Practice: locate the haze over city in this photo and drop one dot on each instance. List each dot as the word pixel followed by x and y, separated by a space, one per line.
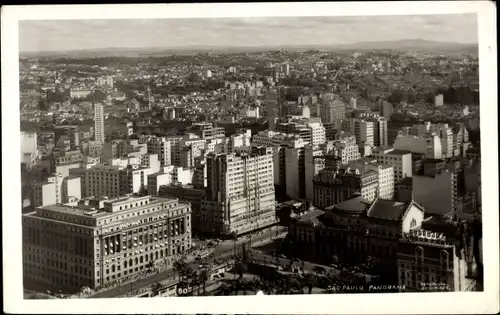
pixel 63 35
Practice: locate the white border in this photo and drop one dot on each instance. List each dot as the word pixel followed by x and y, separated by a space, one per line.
pixel 450 303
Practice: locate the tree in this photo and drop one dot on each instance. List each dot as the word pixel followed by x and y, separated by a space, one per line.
pixel 203 277
pixel 155 288
pixel 240 268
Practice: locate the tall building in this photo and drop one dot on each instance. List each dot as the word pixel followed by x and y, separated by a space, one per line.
pixel 295 172
pixel 400 160
pixel 332 111
pixel 99 123
pixel 436 188
pixel 98 242
pixel 386 110
pixel 29 147
pixel 240 192
pixel 364 132
pixel 438 100
pixel 317 133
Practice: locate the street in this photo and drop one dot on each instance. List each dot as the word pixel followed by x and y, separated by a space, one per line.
pixel 223 250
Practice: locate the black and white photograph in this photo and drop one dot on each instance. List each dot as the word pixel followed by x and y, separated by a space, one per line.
pixel 325 155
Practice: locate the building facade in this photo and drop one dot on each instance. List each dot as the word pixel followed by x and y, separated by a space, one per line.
pixel 98 242
pixel 240 192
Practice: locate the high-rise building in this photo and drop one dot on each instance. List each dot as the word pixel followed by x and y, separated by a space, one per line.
pixel 332 111
pixel 99 123
pixel 98 242
pixel 240 192
pixel 400 160
pixel 363 130
pixel 317 133
pixel 386 110
pixel 295 172
pixel 29 147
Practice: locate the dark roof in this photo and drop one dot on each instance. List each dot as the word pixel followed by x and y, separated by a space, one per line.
pixel 311 216
pixel 399 152
pixel 353 205
pixel 407 181
pixel 387 209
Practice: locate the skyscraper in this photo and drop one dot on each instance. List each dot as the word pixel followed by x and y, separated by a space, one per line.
pixel 240 192
pixel 99 122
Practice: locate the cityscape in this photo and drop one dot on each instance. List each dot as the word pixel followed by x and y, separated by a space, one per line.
pixel 216 164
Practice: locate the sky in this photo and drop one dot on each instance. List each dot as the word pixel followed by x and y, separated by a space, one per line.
pixel 59 35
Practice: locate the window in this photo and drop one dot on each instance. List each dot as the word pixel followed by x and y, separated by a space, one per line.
pixel 419 255
pixel 413 223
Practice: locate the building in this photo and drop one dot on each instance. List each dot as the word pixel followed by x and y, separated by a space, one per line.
pixel 56 189
pixel 400 160
pixel 386 110
pixel 170 175
pixel 240 192
pixel 428 146
pixel 363 130
pixel 438 100
pixel 111 180
pixel 332 111
pixel 98 242
pixel 428 261
pixel 295 173
pixel 99 123
pixel 403 190
pixel 436 188
pixel 207 131
pixel 385 175
pixel 318 135
pixel 29 147
pixel 80 93
pixel 354 230
pixel 332 186
pixel 161 147
pixel 105 82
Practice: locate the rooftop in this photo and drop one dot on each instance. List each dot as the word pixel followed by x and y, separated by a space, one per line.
pixel 399 152
pixel 354 205
pixel 387 209
pixel 407 181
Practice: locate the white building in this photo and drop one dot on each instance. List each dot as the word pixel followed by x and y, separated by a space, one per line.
pixel 438 100
pixel 57 189
pixel 99 123
pixel 318 135
pixel 240 192
pixel 159 146
pixel 385 175
pixel 400 160
pixel 105 81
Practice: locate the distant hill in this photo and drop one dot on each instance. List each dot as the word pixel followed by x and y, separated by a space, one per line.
pixel 412 45
pixel 409 45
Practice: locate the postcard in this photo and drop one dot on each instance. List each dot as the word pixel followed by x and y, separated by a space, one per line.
pixel 259 158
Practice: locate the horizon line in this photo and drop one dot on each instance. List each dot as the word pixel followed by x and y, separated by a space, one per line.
pixel 249 46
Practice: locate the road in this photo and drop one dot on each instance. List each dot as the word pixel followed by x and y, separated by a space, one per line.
pixel 223 250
